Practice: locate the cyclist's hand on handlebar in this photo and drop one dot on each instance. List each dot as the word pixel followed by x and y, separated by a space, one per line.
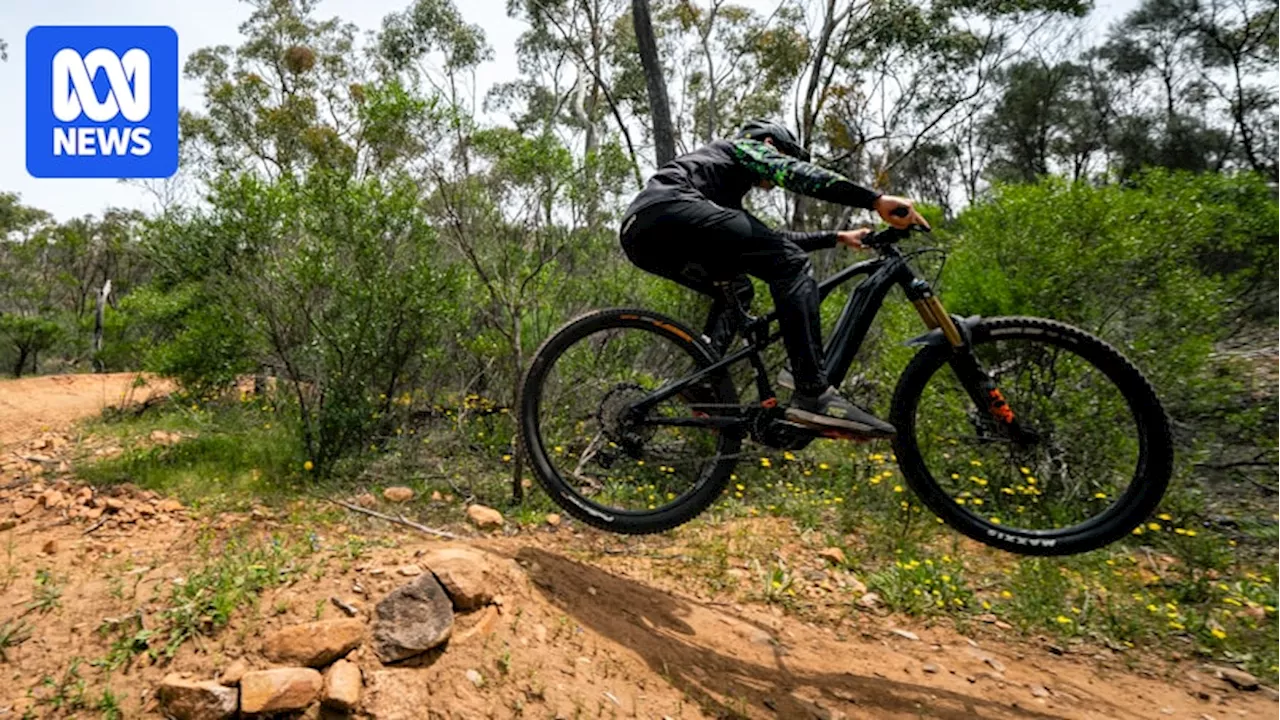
pixel 899 212
pixel 853 238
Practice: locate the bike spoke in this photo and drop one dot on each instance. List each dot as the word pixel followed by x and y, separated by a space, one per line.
pixel 1083 456
pixel 619 457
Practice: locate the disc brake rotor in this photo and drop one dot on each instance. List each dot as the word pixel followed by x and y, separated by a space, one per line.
pixel 616 418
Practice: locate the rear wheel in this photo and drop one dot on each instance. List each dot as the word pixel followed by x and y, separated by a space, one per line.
pixel 599 458
pixel 1082 460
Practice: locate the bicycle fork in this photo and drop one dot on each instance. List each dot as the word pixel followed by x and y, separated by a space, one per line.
pixel 984 392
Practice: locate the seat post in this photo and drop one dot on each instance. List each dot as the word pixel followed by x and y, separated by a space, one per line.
pixel 744 316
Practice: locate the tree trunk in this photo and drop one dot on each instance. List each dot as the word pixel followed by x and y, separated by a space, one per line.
pixel 809 112
pixel 712 114
pixel 22 361
pixel 591 111
pixel 664 134
pixel 97 326
pixel 517 456
pixel 1238 114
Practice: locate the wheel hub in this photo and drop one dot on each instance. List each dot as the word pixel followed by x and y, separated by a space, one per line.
pixel 618 419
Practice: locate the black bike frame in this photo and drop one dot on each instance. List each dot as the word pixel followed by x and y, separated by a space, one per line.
pixel 889 269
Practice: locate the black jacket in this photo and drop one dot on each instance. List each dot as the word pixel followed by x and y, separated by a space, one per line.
pixel 725 170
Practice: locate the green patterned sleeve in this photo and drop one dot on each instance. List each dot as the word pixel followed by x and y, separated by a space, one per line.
pixel 799 176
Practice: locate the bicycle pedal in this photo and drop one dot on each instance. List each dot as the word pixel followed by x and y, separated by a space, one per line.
pixel 824 432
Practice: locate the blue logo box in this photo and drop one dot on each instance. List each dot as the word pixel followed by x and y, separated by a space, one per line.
pixel 102 102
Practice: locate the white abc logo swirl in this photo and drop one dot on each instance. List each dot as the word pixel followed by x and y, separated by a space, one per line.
pixel 71 71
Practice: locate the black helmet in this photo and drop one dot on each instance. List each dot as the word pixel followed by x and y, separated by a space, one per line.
pixel 783 139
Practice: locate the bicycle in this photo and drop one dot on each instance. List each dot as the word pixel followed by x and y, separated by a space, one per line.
pixel 1042 439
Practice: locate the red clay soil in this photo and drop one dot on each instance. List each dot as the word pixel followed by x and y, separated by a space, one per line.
pixel 569 640
pixel 30 406
pixel 608 638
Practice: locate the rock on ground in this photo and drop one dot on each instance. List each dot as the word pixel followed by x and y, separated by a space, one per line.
pixel 484 517
pixel 279 689
pixel 833 555
pixel 185 699
pixel 236 670
pixel 314 644
pixel 412 619
pixel 1240 679
pixel 342 686
pixel 470 577
pixel 398 494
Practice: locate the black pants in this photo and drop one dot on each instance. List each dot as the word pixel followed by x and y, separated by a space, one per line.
pixel 699 244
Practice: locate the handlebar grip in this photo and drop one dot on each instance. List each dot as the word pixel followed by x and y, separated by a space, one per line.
pixel 900 211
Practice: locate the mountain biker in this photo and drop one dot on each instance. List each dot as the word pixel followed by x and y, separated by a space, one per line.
pixel 688 225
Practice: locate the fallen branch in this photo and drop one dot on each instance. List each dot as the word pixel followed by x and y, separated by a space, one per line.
pixel 345 607
pixel 101 521
pixel 398 520
pixel 1264 486
pixel 64 521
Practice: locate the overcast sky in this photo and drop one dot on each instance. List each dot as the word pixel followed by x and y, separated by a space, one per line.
pixel 201 23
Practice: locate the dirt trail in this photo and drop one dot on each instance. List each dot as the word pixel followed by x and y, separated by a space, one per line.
pixel 569 639
pixel 29 406
pixel 748 661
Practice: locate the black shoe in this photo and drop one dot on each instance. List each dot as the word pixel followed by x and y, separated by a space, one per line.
pixel 829 410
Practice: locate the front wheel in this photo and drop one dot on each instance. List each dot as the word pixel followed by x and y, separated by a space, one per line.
pixel 1071 452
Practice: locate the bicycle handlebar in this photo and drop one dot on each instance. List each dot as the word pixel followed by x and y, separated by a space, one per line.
pixel 890 235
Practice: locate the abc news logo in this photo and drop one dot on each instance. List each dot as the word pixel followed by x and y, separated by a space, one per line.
pixel 102 101
pixel 74 95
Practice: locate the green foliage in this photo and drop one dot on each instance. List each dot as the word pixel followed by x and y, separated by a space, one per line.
pixel 129 639
pixel 28 336
pixel 46 593
pixel 331 281
pixel 108 705
pixel 232 451
pixel 65 694
pixel 917 587
pixel 50 278
pixel 1166 269
pixel 12 634
pixel 237 572
pixel 187 334
pixel 433 26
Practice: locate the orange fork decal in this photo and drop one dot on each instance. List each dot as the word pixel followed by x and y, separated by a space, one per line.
pixel 999 407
